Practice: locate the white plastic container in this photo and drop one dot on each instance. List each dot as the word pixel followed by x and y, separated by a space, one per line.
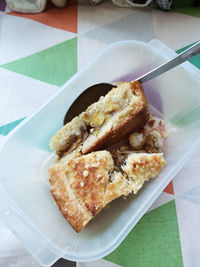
pixel 26 204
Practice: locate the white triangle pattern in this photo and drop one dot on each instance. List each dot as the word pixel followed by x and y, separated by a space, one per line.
pixel 22 95
pixel 87 50
pixel 187 178
pixel 128 27
pixel 104 14
pixel 174 29
pixel 31 37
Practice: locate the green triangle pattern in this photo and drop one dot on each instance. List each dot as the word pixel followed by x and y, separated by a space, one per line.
pixel 154 241
pixel 54 65
pixel 5 129
pixel 185 7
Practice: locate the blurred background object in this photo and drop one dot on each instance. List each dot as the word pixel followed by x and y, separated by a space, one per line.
pixel 37 6
pixel 33 6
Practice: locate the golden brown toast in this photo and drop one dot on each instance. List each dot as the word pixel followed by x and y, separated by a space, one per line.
pixel 84 185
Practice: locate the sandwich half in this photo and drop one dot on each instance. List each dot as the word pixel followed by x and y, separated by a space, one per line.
pixel 84 185
pixel 105 122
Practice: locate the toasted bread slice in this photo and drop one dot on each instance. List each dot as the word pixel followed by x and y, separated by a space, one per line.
pixel 105 122
pixel 84 185
pixel 78 186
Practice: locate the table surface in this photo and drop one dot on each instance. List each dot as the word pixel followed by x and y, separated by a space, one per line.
pixel 31 45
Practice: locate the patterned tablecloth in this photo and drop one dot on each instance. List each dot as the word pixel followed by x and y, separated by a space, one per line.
pixel 30 48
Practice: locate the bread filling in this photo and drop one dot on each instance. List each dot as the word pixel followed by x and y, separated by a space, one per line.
pixel 72 143
pixel 111 108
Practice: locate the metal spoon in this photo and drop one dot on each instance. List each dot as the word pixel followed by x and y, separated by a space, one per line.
pixel 92 93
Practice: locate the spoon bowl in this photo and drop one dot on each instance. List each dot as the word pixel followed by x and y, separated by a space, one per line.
pixel 89 96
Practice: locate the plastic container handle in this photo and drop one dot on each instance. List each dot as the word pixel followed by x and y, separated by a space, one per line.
pixel 182 57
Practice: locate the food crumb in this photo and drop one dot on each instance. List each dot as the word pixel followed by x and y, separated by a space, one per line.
pixel 85 173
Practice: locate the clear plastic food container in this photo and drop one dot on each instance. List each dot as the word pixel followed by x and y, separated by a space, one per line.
pixel 26 204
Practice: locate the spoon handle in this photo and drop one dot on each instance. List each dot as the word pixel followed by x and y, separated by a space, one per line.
pixel 182 57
